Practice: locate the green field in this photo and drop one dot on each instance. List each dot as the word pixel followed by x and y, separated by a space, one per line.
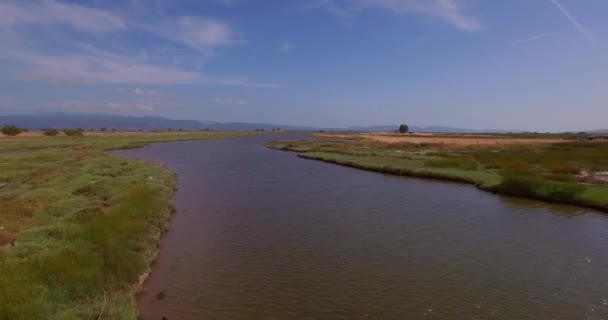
pixel 79 228
pixel 566 172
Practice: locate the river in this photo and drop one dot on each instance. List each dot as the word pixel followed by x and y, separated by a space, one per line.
pixel 263 234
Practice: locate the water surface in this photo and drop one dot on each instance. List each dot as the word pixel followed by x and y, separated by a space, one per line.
pixel 262 234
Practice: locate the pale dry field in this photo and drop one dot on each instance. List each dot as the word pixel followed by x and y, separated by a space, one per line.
pixel 456 141
pixel 23 136
pixel 450 141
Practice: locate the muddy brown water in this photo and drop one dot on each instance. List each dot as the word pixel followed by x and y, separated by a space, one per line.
pixel 263 234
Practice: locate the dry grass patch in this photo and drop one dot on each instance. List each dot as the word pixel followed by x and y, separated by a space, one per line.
pixel 455 141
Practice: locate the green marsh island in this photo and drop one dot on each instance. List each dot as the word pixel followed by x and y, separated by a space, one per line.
pixel 552 167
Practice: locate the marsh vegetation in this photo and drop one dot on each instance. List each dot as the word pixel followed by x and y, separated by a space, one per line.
pixel 547 168
pixel 80 227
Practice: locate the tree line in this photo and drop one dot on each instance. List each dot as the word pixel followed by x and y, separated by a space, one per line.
pixel 12 130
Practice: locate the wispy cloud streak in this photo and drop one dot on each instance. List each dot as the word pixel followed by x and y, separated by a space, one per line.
pixel 91 66
pixel 575 22
pixel 50 12
pixel 32 35
pixel 448 11
pixel 534 38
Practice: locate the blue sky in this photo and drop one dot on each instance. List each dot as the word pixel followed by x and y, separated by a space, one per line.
pixel 519 64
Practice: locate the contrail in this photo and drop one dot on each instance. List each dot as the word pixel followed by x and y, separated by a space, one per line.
pixel 538 37
pixel 578 26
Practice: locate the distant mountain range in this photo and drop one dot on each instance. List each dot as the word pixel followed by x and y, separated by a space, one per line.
pixel 98 121
pixel 599 131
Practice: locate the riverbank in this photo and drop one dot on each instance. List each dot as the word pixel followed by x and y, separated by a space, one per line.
pixel 79 228
pixel 551 170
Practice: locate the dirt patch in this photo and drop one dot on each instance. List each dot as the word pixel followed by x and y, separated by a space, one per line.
pixel 600 177
pixel 603 176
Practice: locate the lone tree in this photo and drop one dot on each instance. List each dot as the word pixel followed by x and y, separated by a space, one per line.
pixel 404 128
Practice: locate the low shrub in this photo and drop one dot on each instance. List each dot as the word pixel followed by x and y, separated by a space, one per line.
pixel 561 168
pixel 528 186
pixel 50 132
pixel 74 132
pixel 561 177
pixel 11 130
pixel 344 148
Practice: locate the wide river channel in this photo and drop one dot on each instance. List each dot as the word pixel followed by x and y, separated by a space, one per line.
pixel 262 234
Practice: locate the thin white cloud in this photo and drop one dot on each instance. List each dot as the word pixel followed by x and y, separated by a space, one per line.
pixel 89 106
pixel 90 65
pixel 49 12
pixel 93 66
pixel 240 81
pixel 448 11
pixel 201 34
pixel 533 38
pixel 343 10
pixel 96 66
pixel 47 60
pixel 232 101
pixel 146 93
pixel 575 22
pixel 285 47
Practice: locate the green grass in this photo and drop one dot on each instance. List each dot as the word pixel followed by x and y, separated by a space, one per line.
pixel 406 167
pixel 79 227
pixel 464 164
pixel 528 186
pixel 550 172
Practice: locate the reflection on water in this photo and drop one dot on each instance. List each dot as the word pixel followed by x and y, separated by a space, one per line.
pixel 262 234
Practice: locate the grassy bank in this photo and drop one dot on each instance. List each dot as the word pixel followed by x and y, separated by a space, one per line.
pixel 566 172
pixel 78 227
